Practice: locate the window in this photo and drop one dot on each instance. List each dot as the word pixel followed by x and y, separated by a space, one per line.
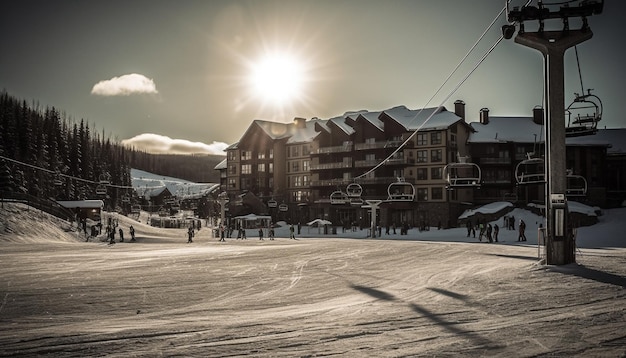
pixel 261 155
pixel 305 165
pixel 232 155
pixel 422 139
pixel 422 194
pixel 491 149
pixel 435 138
pixel 271 156
pixel 370 157
pixel 294 151
pixel 270 167
pixel 422 174
pixel 232 169
pixel 422 156
pixel 305 180
pixel 306 150
pixel 436 193
pixel 370 141
pixel 245 183
pixel 435 155
pixel 453 139
pixel 436 173
pixel 246 155
pixel 295 166
pixel 246 169
pixel 297 181
pixel 232 183
pixel 260 167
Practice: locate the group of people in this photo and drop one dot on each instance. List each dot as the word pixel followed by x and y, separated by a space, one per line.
pixel 490 233
pixel 111 229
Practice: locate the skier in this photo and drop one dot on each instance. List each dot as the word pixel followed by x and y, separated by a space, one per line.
pixel 111 236
pixel 271 233
pixel 190 235
pixel 132 233
pixel 488 232
pixel 260 234
pixel 121 235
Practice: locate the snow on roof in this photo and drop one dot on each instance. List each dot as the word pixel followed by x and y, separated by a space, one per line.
pixel 221 165
pixel 340 122
pixel 232 146
pixel 413 119
pixel 507 129
pixel 306 134
pixel 89 204
pixel 490 208
pixel 372 117
pixel 614 138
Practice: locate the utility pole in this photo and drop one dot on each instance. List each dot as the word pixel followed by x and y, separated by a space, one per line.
pixel 560 245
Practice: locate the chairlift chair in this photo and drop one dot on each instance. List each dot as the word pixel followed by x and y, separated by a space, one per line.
pixel 400 190
pixel 463 174
pixel 338 197
pixel 354 190
pixel 530 171
pixel 125 198
pixel 104 179
pixel 576 185
pixel 272 203
pixel 58 179
pixel 101 189
pixel 135 209
pixel 583 115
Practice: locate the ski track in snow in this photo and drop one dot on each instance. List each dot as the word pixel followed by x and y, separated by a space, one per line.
pixel 311 297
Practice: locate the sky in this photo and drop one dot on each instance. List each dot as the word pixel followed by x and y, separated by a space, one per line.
pixel 190 76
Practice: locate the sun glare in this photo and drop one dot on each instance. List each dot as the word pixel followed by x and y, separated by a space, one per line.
pixel 277 79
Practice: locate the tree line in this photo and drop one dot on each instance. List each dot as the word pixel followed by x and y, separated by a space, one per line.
pixel 56 157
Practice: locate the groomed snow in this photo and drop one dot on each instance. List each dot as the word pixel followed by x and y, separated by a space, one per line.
pixel 431 293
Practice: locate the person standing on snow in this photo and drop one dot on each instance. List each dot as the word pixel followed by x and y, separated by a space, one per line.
pixel 189 235
pixel 291 233
pixel 496 230
pixel 132 233
pixel 522 229
pixel 260 233
pixel 121 235
pixel 488 233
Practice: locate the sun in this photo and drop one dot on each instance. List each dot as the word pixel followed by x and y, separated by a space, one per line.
pixel 277 78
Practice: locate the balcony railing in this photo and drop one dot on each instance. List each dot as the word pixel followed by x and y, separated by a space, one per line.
pixel 495 160
pixel 366 163
pixel 335 165
pixel 347 147
pixel 377 145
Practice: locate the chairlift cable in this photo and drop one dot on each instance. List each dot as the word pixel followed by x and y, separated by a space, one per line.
pixel 401 146
pixel 460 62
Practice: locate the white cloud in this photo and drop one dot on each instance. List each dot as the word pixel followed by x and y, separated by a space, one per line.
pixel 159 144
pixel 124 85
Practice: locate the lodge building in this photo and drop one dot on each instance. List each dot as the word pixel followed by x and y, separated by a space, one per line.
pixel 326 169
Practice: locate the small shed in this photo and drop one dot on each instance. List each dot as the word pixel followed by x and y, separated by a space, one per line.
pixel 84 209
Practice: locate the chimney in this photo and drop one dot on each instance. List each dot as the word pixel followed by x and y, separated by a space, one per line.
pixel 484 116
pixel 459 108
pixel 299 122
pixel 538 115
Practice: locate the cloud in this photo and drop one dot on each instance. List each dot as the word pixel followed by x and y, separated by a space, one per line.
pixel 124 85
pixel 159 144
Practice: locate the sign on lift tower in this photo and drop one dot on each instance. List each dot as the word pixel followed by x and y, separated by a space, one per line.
pixel 560 246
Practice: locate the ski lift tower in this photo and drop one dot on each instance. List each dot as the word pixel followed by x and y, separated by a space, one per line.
pixel 560 247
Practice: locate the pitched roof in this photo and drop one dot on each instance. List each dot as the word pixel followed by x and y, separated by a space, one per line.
pixel 613 138
pixel 423 119
pixel 507 129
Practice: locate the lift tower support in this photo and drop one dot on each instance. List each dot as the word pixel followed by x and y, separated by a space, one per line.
pixel 560 245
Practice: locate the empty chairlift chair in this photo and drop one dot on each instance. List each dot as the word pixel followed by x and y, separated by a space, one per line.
pixel 400 190
pixel 339 197
pixel 530 171
pixel 354 191
pixel 462 175
pixel 576 185
pixel 583 115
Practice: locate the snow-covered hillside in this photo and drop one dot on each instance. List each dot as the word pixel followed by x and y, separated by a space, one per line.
pixel 143 181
